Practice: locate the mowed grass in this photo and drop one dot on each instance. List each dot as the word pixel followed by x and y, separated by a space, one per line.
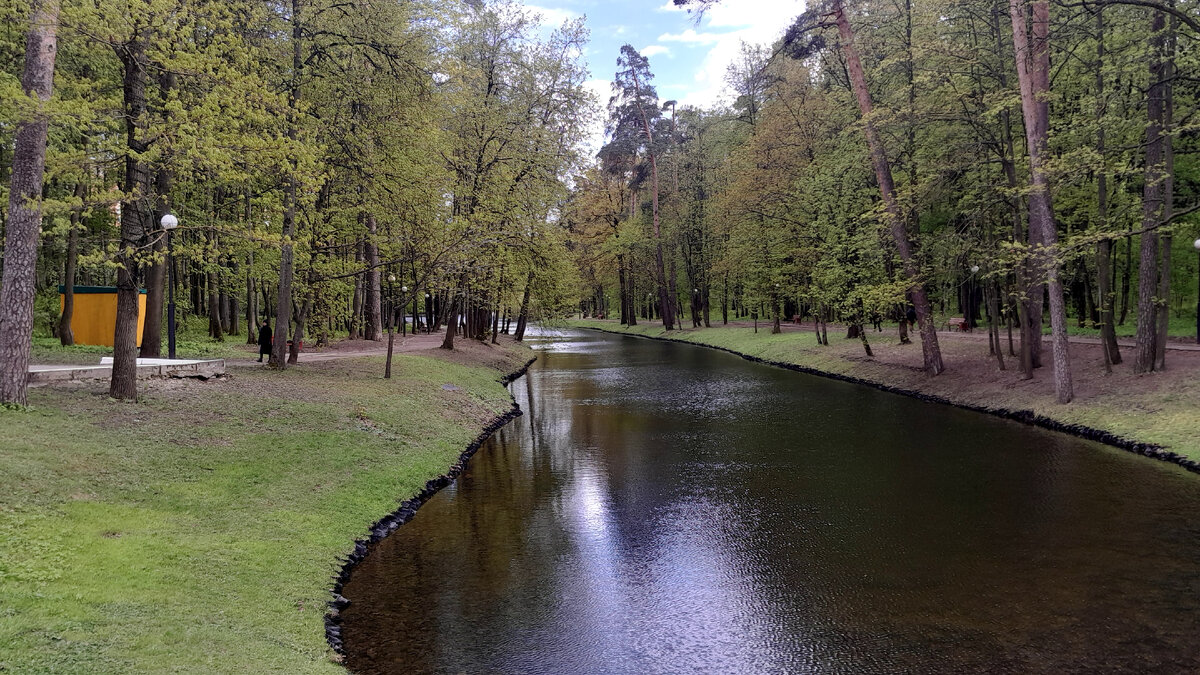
pixel 192 342
pixel 1159 408
pixel 198 529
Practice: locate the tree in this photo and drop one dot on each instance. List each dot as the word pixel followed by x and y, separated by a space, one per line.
pixel 1033 75
pixel 931 351
pixel 633 111
pixel 17 287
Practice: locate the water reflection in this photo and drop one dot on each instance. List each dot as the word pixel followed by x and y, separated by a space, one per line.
pixel 664 508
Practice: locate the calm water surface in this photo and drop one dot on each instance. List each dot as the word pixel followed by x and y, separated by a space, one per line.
pixel 663 508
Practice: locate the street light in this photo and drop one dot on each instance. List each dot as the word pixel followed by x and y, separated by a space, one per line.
pixel 403 318
pixel 1197 245
pixel 970 308
pixel 170 222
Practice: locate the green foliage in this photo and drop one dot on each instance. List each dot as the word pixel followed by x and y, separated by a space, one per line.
pixel 775 202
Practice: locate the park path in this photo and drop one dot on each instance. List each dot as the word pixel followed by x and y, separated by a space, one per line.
pixel 359 349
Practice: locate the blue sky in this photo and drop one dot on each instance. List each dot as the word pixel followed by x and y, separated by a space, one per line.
pixel 688 60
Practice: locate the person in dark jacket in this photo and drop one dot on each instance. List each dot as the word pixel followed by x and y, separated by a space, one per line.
pixel 264 341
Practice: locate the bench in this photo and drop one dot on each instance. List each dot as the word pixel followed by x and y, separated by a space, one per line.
pixel 959 324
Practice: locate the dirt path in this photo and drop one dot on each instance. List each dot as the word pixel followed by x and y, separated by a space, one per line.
pixel 351 349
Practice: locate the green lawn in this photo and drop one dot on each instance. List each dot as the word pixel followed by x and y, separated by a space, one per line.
pixel 197 530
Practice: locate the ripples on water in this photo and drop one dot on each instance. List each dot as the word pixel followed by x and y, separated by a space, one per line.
pixel 671 509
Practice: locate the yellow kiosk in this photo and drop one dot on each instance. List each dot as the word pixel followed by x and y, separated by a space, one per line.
pixel 94 319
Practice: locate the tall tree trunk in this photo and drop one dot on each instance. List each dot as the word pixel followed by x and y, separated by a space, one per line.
pixel 622 289
pixel 287 263
pixel 1168 205
pixel 496 314
pixel 214 308
pixel 1126 274
pixel 233 301
pixel 862 336
pixel 1153 202
pixel 251 304
pixel 451 321
pixel 1033 76
pixel 930 349
pixel 673 290
pixel 1029 311
pixel 65 334
pixel 523 316
pixel 18 287
pixel 298 333
pixel 1108 332
pixel 664 299
pixel 374 322
pixel 356 302
pixel 387 366
pixel 993 303
pixel 136 213
pixel 631 287
pixel 725 301
pixel 156 273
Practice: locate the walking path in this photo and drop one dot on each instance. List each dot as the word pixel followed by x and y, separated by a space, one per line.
pixel 359 349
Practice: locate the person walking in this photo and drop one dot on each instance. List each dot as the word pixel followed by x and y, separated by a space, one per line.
pixel 264 341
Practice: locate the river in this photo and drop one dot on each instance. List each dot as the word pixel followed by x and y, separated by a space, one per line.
pixel 666 508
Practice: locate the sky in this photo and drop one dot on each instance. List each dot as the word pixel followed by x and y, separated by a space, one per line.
pixel 688 60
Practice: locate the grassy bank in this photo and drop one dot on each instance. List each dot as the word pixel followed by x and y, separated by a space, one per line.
pixel 197 530
pixel 1159 408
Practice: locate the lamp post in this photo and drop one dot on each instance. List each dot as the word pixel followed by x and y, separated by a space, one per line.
pixel 970 319
pixel 170 222
pixel 1197 245
pixel 387 369
pixel 403 318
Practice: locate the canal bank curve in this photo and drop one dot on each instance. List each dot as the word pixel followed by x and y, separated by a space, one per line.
pixel 403 513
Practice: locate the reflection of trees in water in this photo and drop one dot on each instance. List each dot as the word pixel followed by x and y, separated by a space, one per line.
pixel 806 523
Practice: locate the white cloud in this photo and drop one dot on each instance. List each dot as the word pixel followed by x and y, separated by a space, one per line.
pixel 655 50
pixel 602 90
pixel 692 37
pixel 552 17
pixel 725 26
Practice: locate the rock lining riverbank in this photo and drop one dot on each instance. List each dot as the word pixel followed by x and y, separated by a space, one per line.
pixel 404 513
